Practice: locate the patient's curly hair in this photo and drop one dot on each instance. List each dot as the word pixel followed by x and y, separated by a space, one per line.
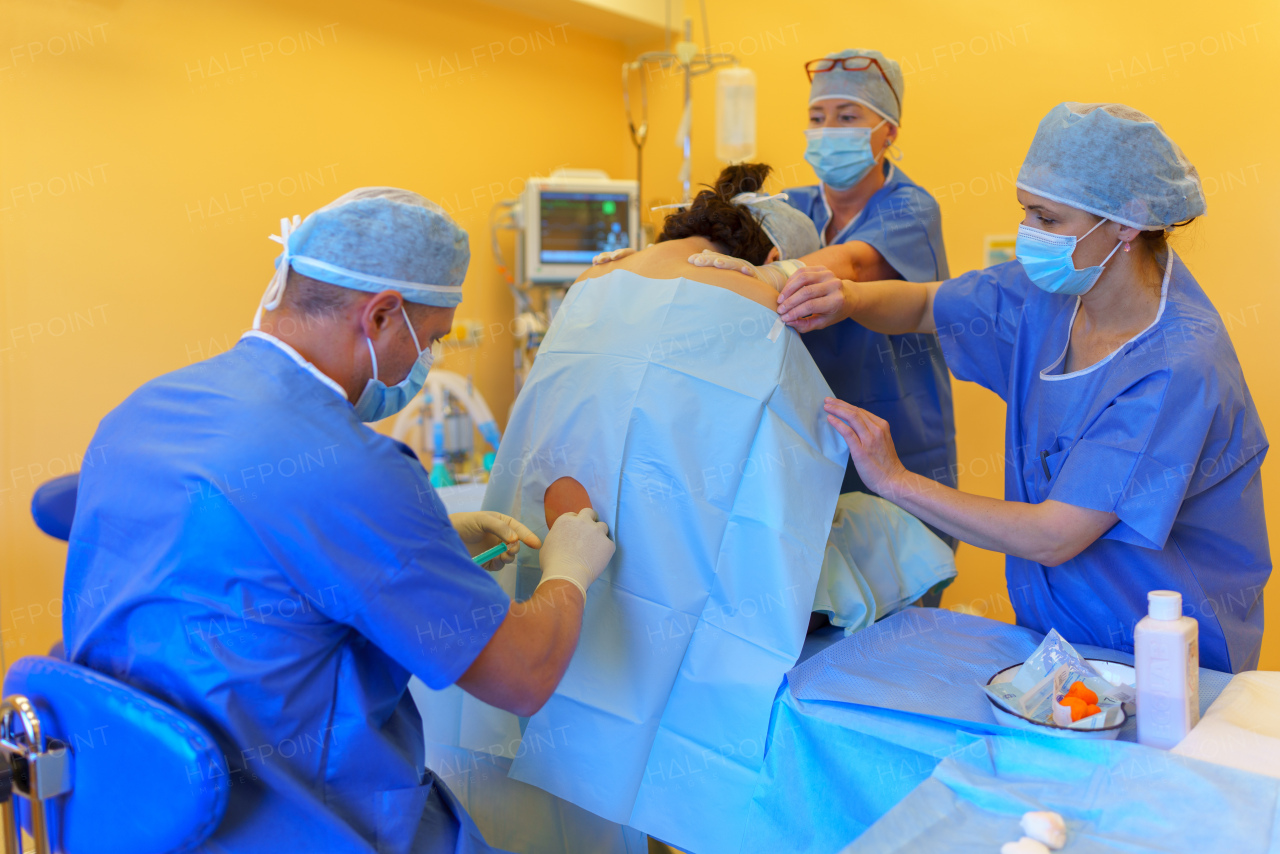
pixel 729 226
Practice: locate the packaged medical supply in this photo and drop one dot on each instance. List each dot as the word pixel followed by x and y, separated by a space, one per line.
pixel 1046 677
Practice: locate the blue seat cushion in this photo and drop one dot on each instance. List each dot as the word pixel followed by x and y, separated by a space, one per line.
pixel 146 779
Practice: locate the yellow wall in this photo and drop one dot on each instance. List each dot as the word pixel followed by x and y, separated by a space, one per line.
pixel 147 148
pixel 140 176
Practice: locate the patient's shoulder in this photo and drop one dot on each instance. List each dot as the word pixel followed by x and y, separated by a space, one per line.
pixel 671 261
pixel 741 284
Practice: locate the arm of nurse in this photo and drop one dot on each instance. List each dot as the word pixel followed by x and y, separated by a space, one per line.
pixel 852 260
pixel 527 656
pixel 815 298
pixel 1049 533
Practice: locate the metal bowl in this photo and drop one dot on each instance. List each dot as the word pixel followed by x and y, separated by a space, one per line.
pixel 1113 671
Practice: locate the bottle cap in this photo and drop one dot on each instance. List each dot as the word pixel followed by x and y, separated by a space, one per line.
pixel 1164 605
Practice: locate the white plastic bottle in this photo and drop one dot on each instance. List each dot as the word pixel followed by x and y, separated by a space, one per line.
pixel 1167 659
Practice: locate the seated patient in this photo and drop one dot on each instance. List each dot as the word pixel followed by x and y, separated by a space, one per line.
pixel 667 396
pixel 877 554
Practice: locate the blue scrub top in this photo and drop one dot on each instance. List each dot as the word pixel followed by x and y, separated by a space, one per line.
pixel 1163 433
pixel 258 558
pixel 901 378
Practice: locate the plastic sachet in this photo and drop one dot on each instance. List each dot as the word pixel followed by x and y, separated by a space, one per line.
pixel 1047 675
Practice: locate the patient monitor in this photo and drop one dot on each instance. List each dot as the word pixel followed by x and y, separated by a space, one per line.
pixel 573 216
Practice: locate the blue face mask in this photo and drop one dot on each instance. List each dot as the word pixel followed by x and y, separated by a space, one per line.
pixel 1047 260
pixel 841 156
pixel 377 401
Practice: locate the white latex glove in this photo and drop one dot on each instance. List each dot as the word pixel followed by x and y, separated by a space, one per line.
pixel 774 275
pixel 484 529
pixel 1025 845
pixel 577 549
pixel 615 255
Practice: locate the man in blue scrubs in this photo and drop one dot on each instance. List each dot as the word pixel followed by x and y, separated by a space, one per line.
pixel 277 570
pixel 875 224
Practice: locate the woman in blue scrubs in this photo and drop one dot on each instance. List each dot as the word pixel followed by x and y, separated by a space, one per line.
pixel 875 224
pixel 1133 447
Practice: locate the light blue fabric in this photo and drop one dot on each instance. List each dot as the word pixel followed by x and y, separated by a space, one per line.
pixel 880 710
pixel 842 156
pixel 879 559
pixel 703 447
pixel 789 230
pixel 1113 796
pixel 901 378
pixel 382 238
pixel 1048 260
pixel 931 661
pixel 1114 162
pixel 378 400
pixel 262 561
pixel 1163 433
pixel 866 87
pixel 470 745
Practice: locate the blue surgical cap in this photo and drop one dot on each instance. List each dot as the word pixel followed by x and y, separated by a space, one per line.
pixel 377 239
pixel 1114 162
pixel 866 87
pixel 791 231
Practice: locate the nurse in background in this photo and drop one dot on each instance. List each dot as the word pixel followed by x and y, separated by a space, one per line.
pixel 875 224
pixel 1133 447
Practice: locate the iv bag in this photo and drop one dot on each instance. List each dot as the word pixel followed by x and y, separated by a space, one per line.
pixel 735 114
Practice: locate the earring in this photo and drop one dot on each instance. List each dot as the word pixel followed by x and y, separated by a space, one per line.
pixel 1127 247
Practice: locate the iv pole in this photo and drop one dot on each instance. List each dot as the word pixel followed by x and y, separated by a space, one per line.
pixel 693 63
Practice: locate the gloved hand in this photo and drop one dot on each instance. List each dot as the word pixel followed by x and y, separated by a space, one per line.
pixel 483 530
pixel 774 275
pixel 577 549
pixel 615 255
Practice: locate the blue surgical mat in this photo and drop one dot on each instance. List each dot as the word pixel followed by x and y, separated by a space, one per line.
pixel 930 661
pixel 867 728
pixel 1114 797
pixel 703 446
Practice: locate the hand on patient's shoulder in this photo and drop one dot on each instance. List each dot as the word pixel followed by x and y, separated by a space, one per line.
pixel 774 275
pixel 610 257
pixel 707 258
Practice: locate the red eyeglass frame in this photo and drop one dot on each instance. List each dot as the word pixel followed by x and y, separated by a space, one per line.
pixel 843 63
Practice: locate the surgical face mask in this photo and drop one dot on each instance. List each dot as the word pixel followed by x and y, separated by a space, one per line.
pixel 841 156
pixel 379 401
pixel 1047 259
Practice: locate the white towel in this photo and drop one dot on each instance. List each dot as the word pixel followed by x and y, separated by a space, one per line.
pixel 1242 727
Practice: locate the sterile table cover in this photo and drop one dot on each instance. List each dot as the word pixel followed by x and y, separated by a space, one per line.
pixel 703 446
pixel 930 661
pixel 874 755
pixel 1113 795
pixel 1242 727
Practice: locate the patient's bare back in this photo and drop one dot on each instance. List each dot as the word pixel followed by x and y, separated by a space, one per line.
pixel 670 260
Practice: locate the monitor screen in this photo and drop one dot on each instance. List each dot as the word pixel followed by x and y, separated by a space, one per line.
pixel 578 226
